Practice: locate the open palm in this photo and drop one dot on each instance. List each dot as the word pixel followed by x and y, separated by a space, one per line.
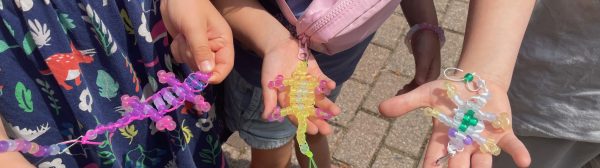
pixel 283 61
pixel 434 95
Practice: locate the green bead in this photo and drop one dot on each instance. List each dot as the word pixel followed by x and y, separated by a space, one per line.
pixel 473 122
pixel 466 118
pixel 470 113
pixel 468 77
pixel 462 127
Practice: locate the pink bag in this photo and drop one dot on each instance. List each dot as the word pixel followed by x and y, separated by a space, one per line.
pixel 333 26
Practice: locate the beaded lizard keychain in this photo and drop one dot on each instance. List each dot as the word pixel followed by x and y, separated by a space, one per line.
pixel 154 107
pixel 467 124
pixel 302 89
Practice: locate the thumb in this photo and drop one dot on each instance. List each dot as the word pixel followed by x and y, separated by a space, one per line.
pixel 405 103
pixel 194 32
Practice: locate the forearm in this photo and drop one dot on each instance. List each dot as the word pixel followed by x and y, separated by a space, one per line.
pixel 493 37
pixel 253 25
pixel 419 11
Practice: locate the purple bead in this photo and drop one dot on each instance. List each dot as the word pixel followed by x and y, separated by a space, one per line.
pixel 3 146
pixel 159 103
pixel 12 145
pixel 26 146
pixel 452 132
pixel 42 152
pixel 20 144
pixel 468 140
pixel 91 135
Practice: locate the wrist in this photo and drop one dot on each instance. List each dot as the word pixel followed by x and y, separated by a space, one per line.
pixel 281 46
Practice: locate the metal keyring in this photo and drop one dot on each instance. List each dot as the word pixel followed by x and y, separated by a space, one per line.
pixel 469 85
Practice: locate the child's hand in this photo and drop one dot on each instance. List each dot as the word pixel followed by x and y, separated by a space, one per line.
pixel 433 95
pixel 426 50
pixel 282 60
pixel 202 38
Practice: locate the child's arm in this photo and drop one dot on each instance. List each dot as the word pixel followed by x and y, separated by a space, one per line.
pixel 493 37
pixel 260 32
pixel 425 43
pixel 11 159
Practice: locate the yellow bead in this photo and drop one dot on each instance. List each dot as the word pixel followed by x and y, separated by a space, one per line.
pixel 490 147
pixel 502 121
pixel 450 89
pixel 431 112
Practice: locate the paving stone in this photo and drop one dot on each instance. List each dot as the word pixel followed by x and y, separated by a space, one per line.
pixel 456 16
pixel 236 157
pixel 372 61
pixel 401 61
pixel 391 30
pixel 359 145
pixel 388 159
pixel 386 87
pixel 451 50
pixel 409 133
pixel 398 10
pixel 236 141
pixel 440 5
pixel 349 100
pixel 335 138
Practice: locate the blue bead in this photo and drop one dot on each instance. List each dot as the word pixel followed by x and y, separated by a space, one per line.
pixel 3 146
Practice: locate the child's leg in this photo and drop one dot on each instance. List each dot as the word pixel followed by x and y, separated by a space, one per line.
pixel 278 157
pixel 320 148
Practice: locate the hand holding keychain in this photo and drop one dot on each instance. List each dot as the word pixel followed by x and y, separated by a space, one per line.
pixel 471 120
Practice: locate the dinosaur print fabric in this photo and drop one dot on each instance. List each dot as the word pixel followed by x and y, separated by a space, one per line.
pixel 64 66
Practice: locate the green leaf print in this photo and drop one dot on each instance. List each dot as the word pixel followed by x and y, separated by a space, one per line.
pixel 210 155
pixel 28 44
pixel 12 32
pixel 129 132
pixel 3 46
pixel 23 96
pixel 65 21
pixel 45 87
pixel 107 85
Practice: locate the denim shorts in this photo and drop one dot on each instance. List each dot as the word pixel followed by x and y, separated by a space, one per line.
pixel 244 106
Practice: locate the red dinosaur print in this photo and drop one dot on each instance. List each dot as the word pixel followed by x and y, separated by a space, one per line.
pixel 65 66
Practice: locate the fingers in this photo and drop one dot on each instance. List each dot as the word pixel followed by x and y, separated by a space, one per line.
pixel 194 29
pixel 311 128
pixel 328 106
pixel 323 127
pixel 223 62
pixel 436 147
pixel 513 146
pixel 483 160
pixel 269 100
pixel 461 159
pixel 402 104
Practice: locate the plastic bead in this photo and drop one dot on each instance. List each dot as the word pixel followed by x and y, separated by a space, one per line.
pixel 502 121
pixel 3 146
pixel 166 123
pixel 468 77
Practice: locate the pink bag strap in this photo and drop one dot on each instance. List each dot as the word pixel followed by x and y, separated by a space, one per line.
pixel 287 12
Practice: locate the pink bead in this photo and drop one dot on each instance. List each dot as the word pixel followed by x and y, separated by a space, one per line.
pixel 323 114
pixel 166 123
pixel 276 115
pixel 203 106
